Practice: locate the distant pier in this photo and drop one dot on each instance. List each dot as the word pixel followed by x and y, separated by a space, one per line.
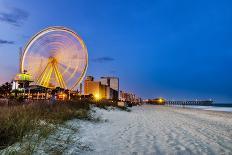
pixel 197 103
pixel 162 101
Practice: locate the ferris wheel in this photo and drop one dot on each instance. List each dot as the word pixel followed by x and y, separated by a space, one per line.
pixel 55 57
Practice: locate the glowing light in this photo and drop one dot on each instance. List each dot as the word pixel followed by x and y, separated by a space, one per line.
pixel 23 77
pixel 97 96
pixel 161 101
pixel 62 96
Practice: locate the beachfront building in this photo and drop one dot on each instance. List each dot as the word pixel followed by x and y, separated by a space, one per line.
pixel 113 84
pixel 99 89
pixel 129 97
pixel 94 87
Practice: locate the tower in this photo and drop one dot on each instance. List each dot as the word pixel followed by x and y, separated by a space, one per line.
pixel 20 59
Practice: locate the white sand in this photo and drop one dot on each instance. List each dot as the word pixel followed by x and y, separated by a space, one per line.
pixel 157 130
pixel 145 130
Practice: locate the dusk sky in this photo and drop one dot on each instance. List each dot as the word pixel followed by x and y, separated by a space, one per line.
pixel 174 49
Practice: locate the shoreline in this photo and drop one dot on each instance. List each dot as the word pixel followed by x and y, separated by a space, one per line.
pixel 205 108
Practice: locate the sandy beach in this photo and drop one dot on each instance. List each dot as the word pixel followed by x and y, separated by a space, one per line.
pixel 152 129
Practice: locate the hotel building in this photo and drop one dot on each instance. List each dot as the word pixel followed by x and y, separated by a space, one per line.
pixel 101 89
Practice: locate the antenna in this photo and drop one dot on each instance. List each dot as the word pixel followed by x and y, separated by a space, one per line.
pixel 20 58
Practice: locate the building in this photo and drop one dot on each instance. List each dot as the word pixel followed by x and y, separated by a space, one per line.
pixel 94 87
pixel 102 89
pixel 21 81
pixel 129 97
pixel 113 84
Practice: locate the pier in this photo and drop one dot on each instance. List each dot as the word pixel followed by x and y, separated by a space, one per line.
pixel 197 103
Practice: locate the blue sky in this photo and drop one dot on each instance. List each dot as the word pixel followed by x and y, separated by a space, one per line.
pixel 174 49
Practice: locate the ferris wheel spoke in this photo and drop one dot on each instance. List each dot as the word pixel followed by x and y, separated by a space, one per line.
pixel 68 69
pixel 69 72
pixel 72 63
pixel 64 69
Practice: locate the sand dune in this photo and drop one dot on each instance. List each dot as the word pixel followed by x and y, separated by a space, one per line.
pixel 157 130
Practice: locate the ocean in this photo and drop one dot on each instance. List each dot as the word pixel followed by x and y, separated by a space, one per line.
pixel 215 107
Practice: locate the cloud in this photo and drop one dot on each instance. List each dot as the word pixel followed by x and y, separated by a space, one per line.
pixel 6 42
pixel 15 16
pixel 103 59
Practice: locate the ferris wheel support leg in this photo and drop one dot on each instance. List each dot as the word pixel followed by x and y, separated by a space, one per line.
pixel 42 75
pixel 59 76
pixel 48 77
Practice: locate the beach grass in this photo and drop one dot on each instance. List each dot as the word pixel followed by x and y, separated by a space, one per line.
pixel 40 118
pixel 29 122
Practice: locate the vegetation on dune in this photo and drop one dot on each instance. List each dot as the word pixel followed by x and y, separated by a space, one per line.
pixel 20 120
pixel 39 118
pixel 105 104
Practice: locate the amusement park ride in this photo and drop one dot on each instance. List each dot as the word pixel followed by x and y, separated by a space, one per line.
pixel 54 57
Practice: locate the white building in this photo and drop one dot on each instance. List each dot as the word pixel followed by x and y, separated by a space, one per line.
pixel 113 83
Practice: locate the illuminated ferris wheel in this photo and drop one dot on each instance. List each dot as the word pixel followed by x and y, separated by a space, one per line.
pixel 55 57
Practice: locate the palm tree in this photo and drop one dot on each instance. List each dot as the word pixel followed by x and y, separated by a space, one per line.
pixel 5 89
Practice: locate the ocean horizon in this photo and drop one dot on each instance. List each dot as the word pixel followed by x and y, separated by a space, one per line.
pixel 223 107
